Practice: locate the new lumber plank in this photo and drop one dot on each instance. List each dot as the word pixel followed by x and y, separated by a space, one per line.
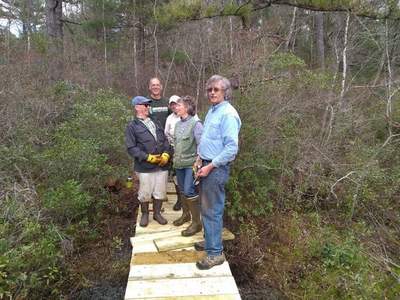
pixel 178 242
pixel 204 286
pixel 208 297
pixel 168 257
pixel 174 271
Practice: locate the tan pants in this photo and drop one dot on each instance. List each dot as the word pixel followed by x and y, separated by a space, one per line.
pixel 152 185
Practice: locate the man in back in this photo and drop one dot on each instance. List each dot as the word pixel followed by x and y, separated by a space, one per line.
pixel 159 106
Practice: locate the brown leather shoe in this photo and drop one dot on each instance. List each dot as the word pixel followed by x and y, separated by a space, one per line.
pixel 210 261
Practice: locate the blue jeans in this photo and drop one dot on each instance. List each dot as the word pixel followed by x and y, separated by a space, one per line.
pixel 212 197
pixel 185 182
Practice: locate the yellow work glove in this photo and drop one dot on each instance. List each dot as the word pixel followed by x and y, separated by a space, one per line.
pixel 153 158
pixel 164 159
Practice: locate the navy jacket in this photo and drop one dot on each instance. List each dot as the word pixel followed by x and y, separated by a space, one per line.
pixel 140 142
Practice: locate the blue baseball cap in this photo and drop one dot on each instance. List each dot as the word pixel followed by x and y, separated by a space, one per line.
pixel 140 100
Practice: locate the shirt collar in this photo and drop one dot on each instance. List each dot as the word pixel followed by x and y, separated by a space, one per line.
pixel 216 106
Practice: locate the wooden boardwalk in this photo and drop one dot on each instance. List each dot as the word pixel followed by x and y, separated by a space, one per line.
pixel 163 263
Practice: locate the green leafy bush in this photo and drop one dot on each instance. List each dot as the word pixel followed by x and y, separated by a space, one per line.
pixel 67 203
pixel 285 61
pixel 30 266
pixel 345 271
pixel 251 191
pixel 52 185
pixel 89 146
pixel 72 158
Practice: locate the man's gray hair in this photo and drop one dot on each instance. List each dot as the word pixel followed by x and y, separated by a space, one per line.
pixel 226 85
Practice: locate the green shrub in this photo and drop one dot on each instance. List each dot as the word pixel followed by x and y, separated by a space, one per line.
pixel 343 271
pixel 49 179
pixel 285 61
pixel 30 265
pixel 72 158
pixel 68 202
pixel 252 190
pixel 89 146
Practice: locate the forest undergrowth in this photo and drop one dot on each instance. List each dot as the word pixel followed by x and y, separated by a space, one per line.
pixel 313 198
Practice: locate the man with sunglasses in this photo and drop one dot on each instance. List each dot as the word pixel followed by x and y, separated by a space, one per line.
pixel 148 146
pixel 218 148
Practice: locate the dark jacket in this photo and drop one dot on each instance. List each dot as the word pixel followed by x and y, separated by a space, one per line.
pixel 140 142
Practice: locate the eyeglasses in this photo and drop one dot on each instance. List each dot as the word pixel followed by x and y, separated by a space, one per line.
pixel 213 89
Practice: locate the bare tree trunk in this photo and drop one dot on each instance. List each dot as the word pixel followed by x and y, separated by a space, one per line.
pixel 200 72
pixel 230 38
pixel 389 79
pixel 138 50
pixel 344 54
pixel 7 40
pixel 141 52
pixel 135 63
pixel 319 24
pixel 169 69
pixel 55 34
pixel 27 21
pixel 291 30
pixel 156 67
pixel 105 46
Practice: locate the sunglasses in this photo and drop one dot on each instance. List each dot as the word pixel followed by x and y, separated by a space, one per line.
pixel 213 89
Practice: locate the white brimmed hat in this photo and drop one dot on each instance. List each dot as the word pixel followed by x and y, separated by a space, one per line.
pixel 174 98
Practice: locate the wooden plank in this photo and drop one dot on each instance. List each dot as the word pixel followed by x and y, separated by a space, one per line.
pixel 204 286
pixel 172 233
pixel 208 297
pixel 168 257
pixel 154 227
pixel 177 242
pixel 149 246
pixel 156 235
pixel 171 198
pixel 171 188
pixel 143 247
pixel 173 271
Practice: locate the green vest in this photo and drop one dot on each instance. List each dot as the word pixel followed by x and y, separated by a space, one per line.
pixel 185 144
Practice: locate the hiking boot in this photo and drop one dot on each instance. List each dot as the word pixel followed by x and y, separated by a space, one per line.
pixel 194 207
pixel 210 261
pixel 144 219
pixel 178 205
pixel 157 205
pixel 199 246
pixel 185 214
